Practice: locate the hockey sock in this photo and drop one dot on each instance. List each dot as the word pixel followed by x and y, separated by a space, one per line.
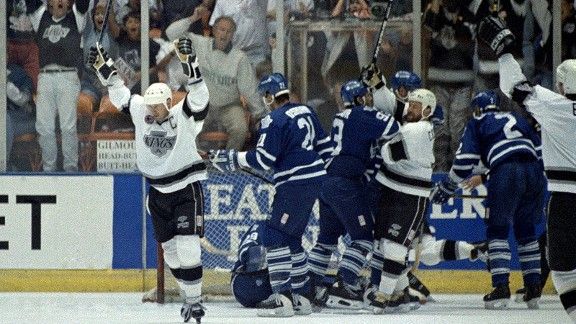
pixel 298 275
pixel 499 259
pixel 279 267
pixel 376 265
pixel 190 281
pixel 318 259
pixel 529 254
pixel 353 261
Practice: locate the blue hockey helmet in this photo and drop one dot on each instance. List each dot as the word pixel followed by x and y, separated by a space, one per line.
pixel 408 80
pixel 274 84
pixel 251 288
pixel 351 91
pixel 485 101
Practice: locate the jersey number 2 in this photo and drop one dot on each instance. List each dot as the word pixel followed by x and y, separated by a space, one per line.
pixel 306 122
pixel 508 132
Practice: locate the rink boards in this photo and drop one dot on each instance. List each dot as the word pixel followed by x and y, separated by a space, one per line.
pixel 93 228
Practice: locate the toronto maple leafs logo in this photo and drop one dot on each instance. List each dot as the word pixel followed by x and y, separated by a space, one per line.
pixel 159 143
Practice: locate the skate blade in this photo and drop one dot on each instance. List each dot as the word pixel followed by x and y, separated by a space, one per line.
pixel 497 304
pixel 277 312
pixel 341 303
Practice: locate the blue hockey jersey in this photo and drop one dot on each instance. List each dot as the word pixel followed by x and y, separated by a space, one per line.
pixel 251 252
pixel 354 132
pixel 494 138
pixel 292 143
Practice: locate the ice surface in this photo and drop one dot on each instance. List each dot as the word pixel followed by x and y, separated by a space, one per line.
pixel 128 308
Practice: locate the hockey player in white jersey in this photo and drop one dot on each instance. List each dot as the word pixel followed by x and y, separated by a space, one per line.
pixel 431 249
pixel 405 180
pixel 167 156
pixel 556 113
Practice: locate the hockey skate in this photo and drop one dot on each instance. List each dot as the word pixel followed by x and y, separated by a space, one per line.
pixel 418 289
pixel 343 295
pixel 301 305
pixel 380 303
pixel 277 305
pixel 532 296
pixel 519 297
pixel 192 310
pixel 412 300
pixel 498 298
pixel 479 252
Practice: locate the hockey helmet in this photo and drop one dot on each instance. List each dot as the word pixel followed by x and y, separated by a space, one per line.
pixel 426 98
pixel 158 93
pixel 485 101
pixel 409 80
pixel 274 84
pixel 351 91
pixel 251 288
pixel 566 75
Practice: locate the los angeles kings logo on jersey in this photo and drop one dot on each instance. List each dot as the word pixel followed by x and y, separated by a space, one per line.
pixel 159 143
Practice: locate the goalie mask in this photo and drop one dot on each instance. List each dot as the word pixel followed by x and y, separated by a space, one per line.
pixel 407 80
pixel 485 101
pixel 158 93
pixel 274 85
pixel 426 98
pixel 352 93
pixel 566 77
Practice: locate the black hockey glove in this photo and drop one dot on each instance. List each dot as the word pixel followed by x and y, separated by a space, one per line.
pixel 493 31
pixel 521 91
pixel 224 160
pixel 443 191
pixel 102 64
pixel 187 59
pixel 371 77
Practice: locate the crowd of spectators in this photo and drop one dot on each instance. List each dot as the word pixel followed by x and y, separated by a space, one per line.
pixel 49 40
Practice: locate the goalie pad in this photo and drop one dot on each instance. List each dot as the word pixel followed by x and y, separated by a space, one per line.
pixel 493 31
pixel 103 65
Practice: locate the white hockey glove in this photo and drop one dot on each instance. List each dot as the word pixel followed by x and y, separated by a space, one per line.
pixel 493 31
pixel 224 160
pixel 371 77
pixel 102 64
pixel 443 191
pixel 187 59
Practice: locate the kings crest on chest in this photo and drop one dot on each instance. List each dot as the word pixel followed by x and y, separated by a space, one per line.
pixel 159 142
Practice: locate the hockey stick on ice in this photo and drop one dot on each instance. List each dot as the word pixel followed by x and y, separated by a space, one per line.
pixel 381 33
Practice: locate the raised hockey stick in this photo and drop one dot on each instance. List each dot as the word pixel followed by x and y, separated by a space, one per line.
pixel 381 33
pixel 105 23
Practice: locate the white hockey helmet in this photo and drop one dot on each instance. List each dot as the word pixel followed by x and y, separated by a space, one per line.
pixel 426 98
pixel 158 93
pixel 566 75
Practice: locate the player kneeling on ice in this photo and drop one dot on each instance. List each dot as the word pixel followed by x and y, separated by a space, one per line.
pixel 167 157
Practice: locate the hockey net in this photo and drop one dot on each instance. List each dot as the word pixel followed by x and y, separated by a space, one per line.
pixel 233 202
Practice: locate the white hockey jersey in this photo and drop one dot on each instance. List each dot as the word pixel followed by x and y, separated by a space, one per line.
pixel 408 159
pixel 557 117
pixel 166 152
